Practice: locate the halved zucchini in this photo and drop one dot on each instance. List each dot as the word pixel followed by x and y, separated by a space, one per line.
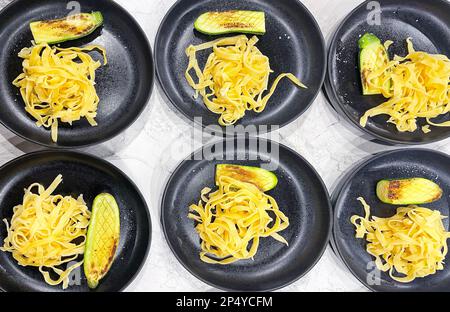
pixel 65 29
pixel 219 23
pixel 263 179
pixel 414 191
pixel 372 56
pixel 102 239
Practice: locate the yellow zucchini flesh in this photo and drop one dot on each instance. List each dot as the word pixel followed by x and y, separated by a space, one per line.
pixel 261 178
pixel 227 22
pixel 372 56
pixel 64 29
pixel 102 239
pixel 414 191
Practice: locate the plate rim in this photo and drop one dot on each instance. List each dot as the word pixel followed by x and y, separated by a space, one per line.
pixel 106 163
pixel 306 162
pixel 139 112
pixel 224 133
pixel 337 105
pixel 347 181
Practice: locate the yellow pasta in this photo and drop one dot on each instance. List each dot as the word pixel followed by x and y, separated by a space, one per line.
pixel 232 220
pixel 59 84
pixel 234 78
pixel 48 231
pixel 417 86
pixel 410 244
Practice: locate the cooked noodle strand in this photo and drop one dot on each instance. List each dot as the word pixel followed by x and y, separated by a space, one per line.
pixel 234 79
pixel 232 220
pixel 417 87
pixel 48 231
pixel 58 85
pixel 408 245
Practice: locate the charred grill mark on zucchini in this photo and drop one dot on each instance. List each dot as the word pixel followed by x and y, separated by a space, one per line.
pixel 412 191
pixel 240 174
pixel 234 21
pixel 261 178
pixel 65 29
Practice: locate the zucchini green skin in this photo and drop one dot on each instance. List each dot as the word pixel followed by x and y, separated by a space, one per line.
pixel 263 179
pixel 414 191
pixel 66 29
pixel 227 22
pixel 372 55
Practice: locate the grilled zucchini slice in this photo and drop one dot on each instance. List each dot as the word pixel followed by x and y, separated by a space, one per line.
pixel 64 29
pixel 220 23
pixel 263 179
pixel 372 56
pixel 102 239
pixel 414 191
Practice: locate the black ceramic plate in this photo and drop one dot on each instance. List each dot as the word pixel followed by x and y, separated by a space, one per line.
pixel 293 42
pixel 124 85
pixel 300 193
pixel 426 22
pixel 404 163
pixel 82 174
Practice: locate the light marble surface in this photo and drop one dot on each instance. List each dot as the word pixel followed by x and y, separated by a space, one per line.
pixel 153 146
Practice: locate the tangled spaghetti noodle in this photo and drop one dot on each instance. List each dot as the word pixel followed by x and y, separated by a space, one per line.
pixel 232 220
pixel 410 244
pixel 416 85
pixel 59 84
pixel 48 231
pixel 234 78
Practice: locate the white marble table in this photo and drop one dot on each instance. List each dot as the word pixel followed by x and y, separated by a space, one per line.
pixel 152 147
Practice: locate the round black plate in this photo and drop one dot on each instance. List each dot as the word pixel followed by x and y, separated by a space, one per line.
pixel 293 42
pixel 300 194
pixel 82 174
pixel 124 85
pixel 403 163
pixel 426 22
